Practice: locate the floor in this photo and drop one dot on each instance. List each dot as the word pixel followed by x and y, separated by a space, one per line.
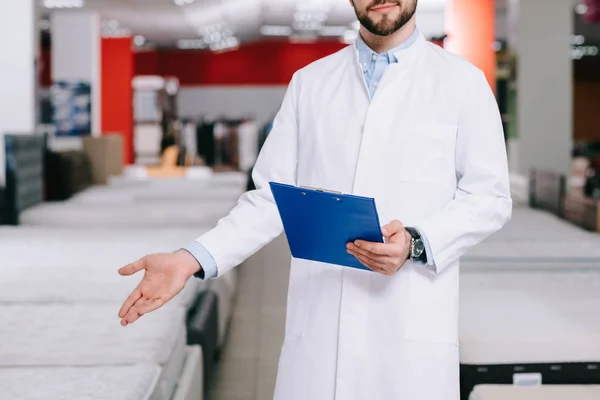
pixel 248 365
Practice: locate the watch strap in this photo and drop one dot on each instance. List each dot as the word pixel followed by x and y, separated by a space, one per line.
pixel 414 233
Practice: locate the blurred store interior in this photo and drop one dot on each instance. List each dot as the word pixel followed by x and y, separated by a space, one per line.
pixel 130 127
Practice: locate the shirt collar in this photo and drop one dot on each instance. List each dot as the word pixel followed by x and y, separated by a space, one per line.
pixel 365 53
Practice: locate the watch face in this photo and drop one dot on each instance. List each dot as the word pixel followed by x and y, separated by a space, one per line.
pixel 419 248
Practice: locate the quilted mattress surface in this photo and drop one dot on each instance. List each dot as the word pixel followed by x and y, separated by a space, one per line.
pixel 86 335
pixel 74 284
pixel 159 214
pixel 536 225
pixel 544 392
pixel 81 265
pixel 89 383
pixel 529 317
pixel 152 194
pixel 533 236
pixel 110 248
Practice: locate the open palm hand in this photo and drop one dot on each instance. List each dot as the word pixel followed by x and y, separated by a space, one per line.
pixel 164 277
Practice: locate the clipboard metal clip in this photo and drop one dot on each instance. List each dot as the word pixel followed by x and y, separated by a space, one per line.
pixel 321 190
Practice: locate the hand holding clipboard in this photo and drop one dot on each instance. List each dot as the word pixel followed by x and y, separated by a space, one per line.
pixel 319 224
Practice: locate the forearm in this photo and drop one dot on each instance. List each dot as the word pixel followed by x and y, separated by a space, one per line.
pixel 250 226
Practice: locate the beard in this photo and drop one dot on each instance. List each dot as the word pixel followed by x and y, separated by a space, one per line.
pixel 386 26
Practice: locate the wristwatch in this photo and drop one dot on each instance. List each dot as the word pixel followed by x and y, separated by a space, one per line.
pixel 417 246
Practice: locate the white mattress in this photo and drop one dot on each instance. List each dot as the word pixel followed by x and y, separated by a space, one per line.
pixel 109 248
pixel 537 226
pixel 74 284
pixel 153 194
pixel 225 289
pixel 529 317
pixel 159 214
pixel 544 392
pixel 536 237
pixel 229 178
pixel 90 335
pixel 137 382
pixel 82 265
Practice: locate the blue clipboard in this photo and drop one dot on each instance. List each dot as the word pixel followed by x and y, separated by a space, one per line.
pixel 319 224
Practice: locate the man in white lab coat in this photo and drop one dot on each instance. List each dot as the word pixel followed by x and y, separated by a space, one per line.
pixel 392 117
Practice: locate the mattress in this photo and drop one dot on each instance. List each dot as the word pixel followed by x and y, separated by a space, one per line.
pixel 139 173
pixel 229 178
pixel 545 392
pixel 155 193
pixel 191 385
pixel 82 265
pixel 74 284
pixel 225 288
pixel 536 238
pixel 540 322
pixel 93 247
pixel 536 225
pixel 90 335
pixel 159 214
pixel 138 382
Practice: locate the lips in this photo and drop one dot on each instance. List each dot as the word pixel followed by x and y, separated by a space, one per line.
pixel 383 7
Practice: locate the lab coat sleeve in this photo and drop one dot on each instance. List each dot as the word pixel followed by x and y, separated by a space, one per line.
pixel 255 220
pixel 482 203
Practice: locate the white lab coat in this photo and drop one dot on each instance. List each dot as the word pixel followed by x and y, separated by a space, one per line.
pixel 429 148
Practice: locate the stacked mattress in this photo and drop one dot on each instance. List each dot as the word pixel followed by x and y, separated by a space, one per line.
pixel 82 266
pixel 89 336
pixel 137 382
pixel 82 270
pixel 549 392
pixel 529 305
pixel 535 238
pixel 60 290
pixel 529 322
pixel 124 195
pixel 131 215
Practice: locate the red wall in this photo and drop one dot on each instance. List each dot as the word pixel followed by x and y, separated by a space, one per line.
pixel 263 63
pixel 117 93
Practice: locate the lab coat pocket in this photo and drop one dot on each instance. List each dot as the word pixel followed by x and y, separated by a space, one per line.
pixel 299 294
pixel 432 313
pixel 427 152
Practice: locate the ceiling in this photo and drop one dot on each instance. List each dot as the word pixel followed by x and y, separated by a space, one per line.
pixel 163 23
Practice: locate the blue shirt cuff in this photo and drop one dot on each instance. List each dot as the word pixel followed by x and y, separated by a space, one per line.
pixel 430 262
pixel 205 259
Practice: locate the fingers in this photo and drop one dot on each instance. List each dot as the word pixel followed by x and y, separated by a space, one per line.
pixel 131 300
pixel 375 249
pixel 392 228
pixel 133 314
pixel 375 265
pixel 132 268
pixel 384 265
pixel 150 305
pixel 141 308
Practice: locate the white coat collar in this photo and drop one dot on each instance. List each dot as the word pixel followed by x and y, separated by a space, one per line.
pixel 405 56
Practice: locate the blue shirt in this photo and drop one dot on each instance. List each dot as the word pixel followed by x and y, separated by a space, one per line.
pixel 373 66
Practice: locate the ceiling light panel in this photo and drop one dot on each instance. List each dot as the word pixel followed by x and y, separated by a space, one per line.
pixel 63 3
pixel 275 30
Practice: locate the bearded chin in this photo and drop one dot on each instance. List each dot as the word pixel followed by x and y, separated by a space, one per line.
pixel 385 27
